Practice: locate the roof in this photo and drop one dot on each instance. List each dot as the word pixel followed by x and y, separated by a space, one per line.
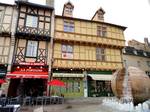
pixel 33 5
pixel 136 52
pixel 72 18
pixel 7 4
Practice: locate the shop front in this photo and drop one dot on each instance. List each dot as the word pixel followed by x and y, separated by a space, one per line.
pixel 99 83
pixel 28 79
pixel 73 84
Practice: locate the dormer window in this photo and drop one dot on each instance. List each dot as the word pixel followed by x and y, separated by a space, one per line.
pixel 100 15
pixel 32 21
pixel 124 51
pixel 135 52
pixel 144 53
pixel 69 10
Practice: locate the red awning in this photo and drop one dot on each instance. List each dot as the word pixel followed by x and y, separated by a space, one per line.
pixel 41 75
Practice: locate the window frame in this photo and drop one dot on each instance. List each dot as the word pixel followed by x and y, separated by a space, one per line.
pixel 69 10
pixel 67 51
pixel 31 24
pixel 100 15
pixel 1 13
pixel 30 54
pixel 68 26
pixel 101 31
pixel 100 54
pixel 148 63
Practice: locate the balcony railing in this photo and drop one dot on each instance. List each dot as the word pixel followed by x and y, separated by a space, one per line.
pixel 34 33
pixel 86 64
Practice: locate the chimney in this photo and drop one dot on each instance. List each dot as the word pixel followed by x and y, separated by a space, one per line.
pixel 50 3
pixel 146 41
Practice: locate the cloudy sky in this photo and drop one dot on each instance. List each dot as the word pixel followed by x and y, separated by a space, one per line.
pixel 134 14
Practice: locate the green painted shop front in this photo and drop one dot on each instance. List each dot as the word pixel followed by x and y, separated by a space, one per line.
pixel 73 85
pixel 99 83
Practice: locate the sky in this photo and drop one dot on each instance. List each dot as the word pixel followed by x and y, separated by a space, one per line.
pixel 134 14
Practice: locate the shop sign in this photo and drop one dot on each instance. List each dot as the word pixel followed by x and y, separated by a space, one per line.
pixel 32 64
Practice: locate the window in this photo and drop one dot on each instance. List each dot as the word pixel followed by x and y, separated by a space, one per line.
pixel 31 21
pixel 100 54
pixel 0 16
pixel 101 31
pixel 72 85
pixel 144 53
pixel 135 52
pixel 138 63
pixel 68 10
pixel 67 51
pixel 100 15
pixel 148 73
pixel 68 26
pixel 32 48
pixel 148 63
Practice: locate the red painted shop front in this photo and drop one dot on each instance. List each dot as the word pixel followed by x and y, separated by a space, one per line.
pixel 28 79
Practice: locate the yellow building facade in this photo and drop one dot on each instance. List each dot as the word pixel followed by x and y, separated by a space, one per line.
pixel 86 52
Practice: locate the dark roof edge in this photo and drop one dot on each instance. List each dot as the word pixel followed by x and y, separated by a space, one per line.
pixel 59 16
pixel 7 4
pixel 34 4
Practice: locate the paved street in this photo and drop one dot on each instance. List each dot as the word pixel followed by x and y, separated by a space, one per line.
pixel 75 105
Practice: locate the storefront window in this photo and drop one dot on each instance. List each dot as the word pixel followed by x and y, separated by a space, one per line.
pixel 72 85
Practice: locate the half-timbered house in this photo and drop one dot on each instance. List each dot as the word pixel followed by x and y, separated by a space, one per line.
pixel 86 53
pixel 7 24
pixel 31 63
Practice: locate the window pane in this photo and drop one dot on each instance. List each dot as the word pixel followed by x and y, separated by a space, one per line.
pixel 69 49
pixel 31 48
pixel 64 48
pixel 101 31
pixel 100 54
pixel 32 21
pixel 68 26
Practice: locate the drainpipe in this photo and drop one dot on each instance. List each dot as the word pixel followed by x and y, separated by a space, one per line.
pixel 51 4
pixel 85 84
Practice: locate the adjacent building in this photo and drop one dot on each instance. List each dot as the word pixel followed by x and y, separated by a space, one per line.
pixel 137 54
pixel 7 24
pixel 139 45
pixel 31 60
pixel 86 53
